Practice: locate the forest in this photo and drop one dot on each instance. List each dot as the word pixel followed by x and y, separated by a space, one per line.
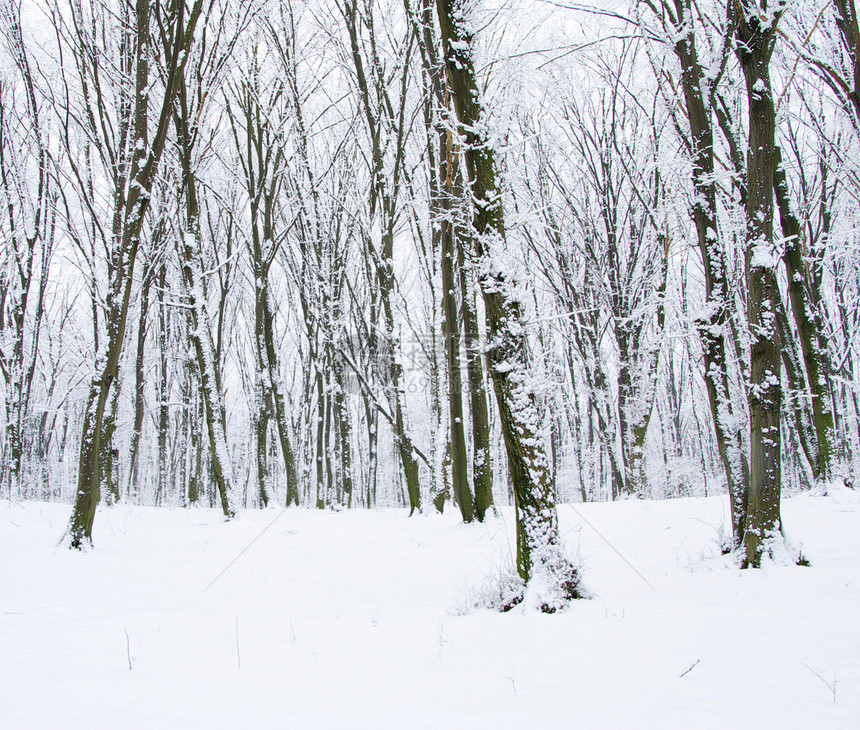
pixel 349 254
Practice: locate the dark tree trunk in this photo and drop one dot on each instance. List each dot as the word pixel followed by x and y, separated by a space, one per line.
pixel 714 324
pixel 451 339
pixel 163 388
pixel 482 468
pixel 539 552
pixel 139 383
pixel 755 42
pixel 191 255
pixel 805 302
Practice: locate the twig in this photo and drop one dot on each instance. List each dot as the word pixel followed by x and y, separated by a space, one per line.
pixel 615 550
pixel 238 654
pixel 684 674
pixel 128 649
pixel 246 548
pixel 830 685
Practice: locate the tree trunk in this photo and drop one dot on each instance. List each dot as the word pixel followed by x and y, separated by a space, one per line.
pixel 343 426
pixel 482 468
pixel 713 325
pixel 756 38
pixel 208 362
pixel 803 297
pixel 30 202
pixel 795 402
pixel 107 465
pixel 281 417
pixel 261 429
pixel 139 384
pixel 378 112
pixel 210 389
pixel 163 388
pixel 539 553
pixel 451 339
pixel 320 455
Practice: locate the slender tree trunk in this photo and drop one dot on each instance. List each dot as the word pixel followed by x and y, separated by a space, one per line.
pixel 260 146
pixel 796 400
pixel 263 391
pixel 280 410
pixel 482 467
pixel 163 388
pixel 208 360
pixel 451 339
pixel 320 454
pixel 343 427
pixel 261 429
pixel 372 416
pixel 28 242
pixel 713 325
pixel 378 113
pixel 286 447
pixel 803 298
pixel 210 389
pixel 139 384
pixel 107 465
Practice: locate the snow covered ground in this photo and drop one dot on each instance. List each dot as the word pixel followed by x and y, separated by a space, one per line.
pixel 354 620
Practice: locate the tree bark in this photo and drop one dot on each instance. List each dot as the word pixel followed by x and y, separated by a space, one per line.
pixel 28 246
pixel 378 112
pixel 755 33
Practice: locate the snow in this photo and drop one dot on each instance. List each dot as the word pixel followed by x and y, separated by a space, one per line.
pixel 355 619
pixel 763 256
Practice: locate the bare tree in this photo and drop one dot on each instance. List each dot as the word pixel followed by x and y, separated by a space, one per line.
pixel 679 26
pixel 28 197
pixel 383 105
pixel 540 557
pixel 134 154
pixel 601 248
pixel 206 68
pixel 258 131
pixel 755 29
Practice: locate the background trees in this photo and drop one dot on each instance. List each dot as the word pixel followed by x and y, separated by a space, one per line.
pixel 295 207
pixel 28 229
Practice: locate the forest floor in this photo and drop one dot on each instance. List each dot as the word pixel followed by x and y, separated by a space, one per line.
pixel 358 619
